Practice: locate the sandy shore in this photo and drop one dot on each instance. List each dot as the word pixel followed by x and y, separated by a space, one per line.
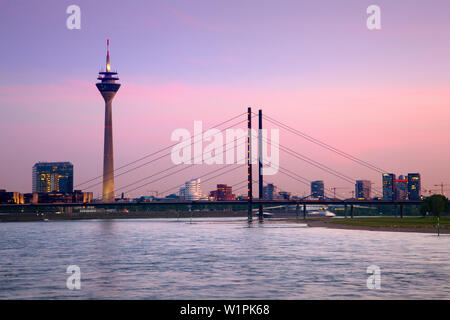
pixel 329 224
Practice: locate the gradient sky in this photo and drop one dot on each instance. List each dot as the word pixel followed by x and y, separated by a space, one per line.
pixel 383 96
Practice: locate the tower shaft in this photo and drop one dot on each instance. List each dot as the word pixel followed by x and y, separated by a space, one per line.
pixel 108 151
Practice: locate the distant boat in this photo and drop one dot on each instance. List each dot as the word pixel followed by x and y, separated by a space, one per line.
pixel 311 211
pixel 46 220
pixel 265 214
pixel 322 213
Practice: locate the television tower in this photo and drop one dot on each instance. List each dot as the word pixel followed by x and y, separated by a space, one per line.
pixel 108 88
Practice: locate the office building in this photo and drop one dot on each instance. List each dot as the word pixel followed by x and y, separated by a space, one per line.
pixel 318 190
pixel 284 195
pixel 223 193
pixel 191 190
pixel 414 188
pixel 363 189
pixel 389 185
pixel 52 176
pixel 270 192
pixel 401 188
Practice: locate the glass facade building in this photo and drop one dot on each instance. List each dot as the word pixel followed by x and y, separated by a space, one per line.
pixel 401 188
pixel 270 192
pixel 191 190
pixel 363 189
pixel 318 190
pixel 52 176
pixel 414 186
pixel 389 192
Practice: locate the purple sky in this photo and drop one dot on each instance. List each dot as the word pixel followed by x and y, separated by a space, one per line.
pixel 382 96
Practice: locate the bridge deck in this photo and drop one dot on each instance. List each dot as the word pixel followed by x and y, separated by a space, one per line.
pixel 212 203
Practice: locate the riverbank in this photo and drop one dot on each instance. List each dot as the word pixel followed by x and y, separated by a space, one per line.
pixel 407 224
pixel 24 217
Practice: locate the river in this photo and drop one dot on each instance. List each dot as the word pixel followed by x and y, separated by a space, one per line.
pixel 217 258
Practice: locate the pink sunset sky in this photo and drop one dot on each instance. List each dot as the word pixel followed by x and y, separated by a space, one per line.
pixel 382 96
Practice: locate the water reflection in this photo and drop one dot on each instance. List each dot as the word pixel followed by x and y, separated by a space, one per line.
pixel 217 258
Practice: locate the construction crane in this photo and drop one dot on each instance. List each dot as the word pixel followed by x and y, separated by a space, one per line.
pixel 430 191
pixel 334 190
pixel 442 185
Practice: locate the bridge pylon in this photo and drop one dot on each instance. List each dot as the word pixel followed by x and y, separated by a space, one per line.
pixel 249 166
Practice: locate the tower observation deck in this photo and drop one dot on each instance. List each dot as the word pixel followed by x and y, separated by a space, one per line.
pixel 108 88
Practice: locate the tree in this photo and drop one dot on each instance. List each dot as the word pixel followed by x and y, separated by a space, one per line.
pixel 436 204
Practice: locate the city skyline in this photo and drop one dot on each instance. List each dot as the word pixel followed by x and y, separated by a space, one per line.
pixel 390 112
pixel 251 153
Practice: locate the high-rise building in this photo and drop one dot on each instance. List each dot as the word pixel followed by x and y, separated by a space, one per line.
pixel 414 186
pixel 389 192
pixel 52 176
pixel 11 197
pixel 182 192
pixel 284 195
pixel 223 193
pixel 363 189
pixel 318 190
pixel 108 88
pixel 269 192
pixel 401 188
pixel 191 190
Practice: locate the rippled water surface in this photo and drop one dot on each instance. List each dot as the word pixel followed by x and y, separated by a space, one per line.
pixel 217 259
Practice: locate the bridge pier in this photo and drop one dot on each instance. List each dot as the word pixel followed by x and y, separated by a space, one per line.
pixel 260 167
pixel 345 211
pixel 297 209
pixel 304 211
pixel 351 210
pixel 401 211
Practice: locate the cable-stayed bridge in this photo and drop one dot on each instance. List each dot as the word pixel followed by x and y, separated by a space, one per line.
pixel 244 162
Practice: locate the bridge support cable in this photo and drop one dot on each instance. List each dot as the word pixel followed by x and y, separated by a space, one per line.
pixel 217 170
pixel 159 151
pixel 242 187
pixel 191 165
pixel 205 175
pixel 318 165
pixel 314 163
pixel 151 161
pixel 325 145
pixel 288 173
pixel 172 167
